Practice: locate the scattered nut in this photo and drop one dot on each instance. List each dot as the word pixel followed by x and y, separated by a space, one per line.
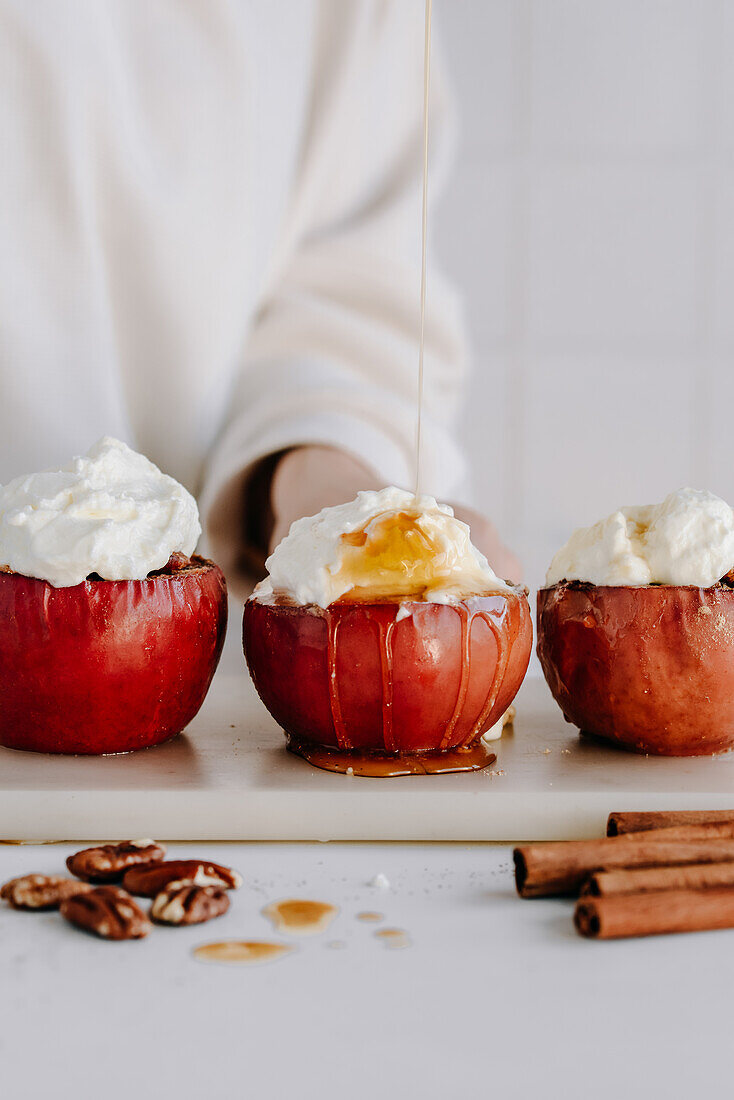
pixel 109 862
pixel 148 881
pixel 41 891
pixel 184 903
pixel 185 891
pixel 109 912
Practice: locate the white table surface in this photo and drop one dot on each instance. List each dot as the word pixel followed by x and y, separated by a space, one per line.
pixel 495 996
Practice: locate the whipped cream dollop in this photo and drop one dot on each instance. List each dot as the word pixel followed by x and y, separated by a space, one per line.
pixel 111 512
pixel 381 545
pixel 687 540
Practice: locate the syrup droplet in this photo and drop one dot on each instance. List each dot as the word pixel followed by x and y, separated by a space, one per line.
pixel 394 938
pixel 369 917
pixel 241 952
pixel 300 917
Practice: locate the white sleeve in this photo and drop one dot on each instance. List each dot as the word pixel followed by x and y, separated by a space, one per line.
pixel 332 357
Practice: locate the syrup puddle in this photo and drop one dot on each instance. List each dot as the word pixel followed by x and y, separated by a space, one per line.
pixel 300 917
pixel 370 918
pixel 241 952
pixel 384 766
pixel 393 938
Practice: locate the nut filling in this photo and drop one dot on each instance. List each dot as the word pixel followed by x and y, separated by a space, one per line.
pixel 109 912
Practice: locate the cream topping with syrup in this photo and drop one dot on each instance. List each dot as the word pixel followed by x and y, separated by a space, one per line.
pixel 382 545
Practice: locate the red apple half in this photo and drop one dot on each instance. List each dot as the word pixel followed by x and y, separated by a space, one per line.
pixel 107 666
pixel 649 668
pixel 388 677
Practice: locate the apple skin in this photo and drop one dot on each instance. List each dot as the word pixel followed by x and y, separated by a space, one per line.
pixel 107 666
pixel 650 668
pixel 287 651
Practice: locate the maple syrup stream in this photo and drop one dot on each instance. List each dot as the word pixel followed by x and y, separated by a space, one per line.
pixel 424 239
pixel 466 756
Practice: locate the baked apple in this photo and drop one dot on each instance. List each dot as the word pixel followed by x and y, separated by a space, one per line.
pixel 388 678
pixel 110 631
pixel 649 668
pixel 380 683
pixel 108 666
pixel 648 665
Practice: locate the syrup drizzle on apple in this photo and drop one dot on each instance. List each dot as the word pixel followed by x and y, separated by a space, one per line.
pixel 503 655
pixel 469 755
pixel 464 682
pixel 342 738
pixel 386 633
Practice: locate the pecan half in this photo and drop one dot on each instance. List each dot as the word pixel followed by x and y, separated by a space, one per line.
pixel 184 903
pixel 146 882
pixel 108 862
pixel 109 912
pixel 41 891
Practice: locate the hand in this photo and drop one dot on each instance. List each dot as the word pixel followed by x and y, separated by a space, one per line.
pixel 310 478
pixel 485 537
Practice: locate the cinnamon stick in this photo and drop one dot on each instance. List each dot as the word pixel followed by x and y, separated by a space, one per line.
pixel 714 830
pixel 561 867
pixel 645 880
pixel 652 914
pixel 636 822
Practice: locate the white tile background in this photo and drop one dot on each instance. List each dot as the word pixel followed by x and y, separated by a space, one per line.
pixel 590 224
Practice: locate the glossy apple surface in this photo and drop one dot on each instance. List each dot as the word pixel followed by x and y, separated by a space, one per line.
pixel 362 676
pixel 649 668
pixel 107 666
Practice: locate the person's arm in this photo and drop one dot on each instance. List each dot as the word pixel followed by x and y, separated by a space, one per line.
pixel 332 358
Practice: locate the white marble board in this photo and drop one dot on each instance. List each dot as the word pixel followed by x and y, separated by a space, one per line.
pixel 230 778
